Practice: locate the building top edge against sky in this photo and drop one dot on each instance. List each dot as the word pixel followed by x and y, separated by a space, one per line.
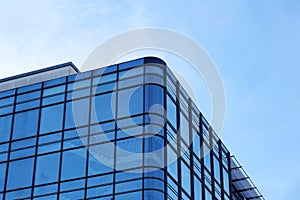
pixel 240 179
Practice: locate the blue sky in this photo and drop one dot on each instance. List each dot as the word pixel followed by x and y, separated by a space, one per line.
pixel 255 45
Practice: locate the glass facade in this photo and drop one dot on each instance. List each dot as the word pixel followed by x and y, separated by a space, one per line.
pixel 170 150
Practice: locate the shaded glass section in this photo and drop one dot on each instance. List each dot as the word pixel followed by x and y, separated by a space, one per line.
pixel 25 124
pixel 20 173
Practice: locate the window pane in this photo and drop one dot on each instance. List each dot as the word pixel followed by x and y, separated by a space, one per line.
pixel 73 163
pixel 101 159
pixel 51 119
pixel 25 124
pixel 171 112
pixel 5 124
pixel 130 101
pixel 20 173
pixel 47 168
pixel 198 189
pixel 186 178
pixel 2 175
pixel 77 113
pixel 154 95
pixel 129 153
pixel 102 108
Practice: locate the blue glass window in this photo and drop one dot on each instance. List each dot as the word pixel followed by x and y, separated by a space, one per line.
pixel 184 129
pixel 52 118
pixel 129 153
pixel 102 107
pixel 6 101
pixel 171 112
pixel 55 82
pixel 25 124
pixel 100 191
pixel 54 90
pixel 129 196
pixel 128 186
pixel 154 95
pixel 130 101
pixel 5 124
pixel 28 96
pixel 153 195
pixel 172 163
pixel 132 63
pixel 7 93
pixel 186 177
pixel 77 113
pixel 47 168
pixel 49 143
pixel 30 87
pixel 197 189
pixel 47 189
pixel 2 175
pixel 226 180
pixel 73 163
pixel 77 194
pixel 101 159
pixel 22 171
pixel 217 169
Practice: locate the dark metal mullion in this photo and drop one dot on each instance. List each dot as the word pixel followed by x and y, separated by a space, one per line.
pixel 165 137
pixel 178 140
pixel 144 121
pixel 221 169
pixel 229 174
pixel 37 139
pixel 192 189
pixel 202 156
pixel 116 130
pixel 62 138
pixel 9 145
pixel 212 169
pixel 88 140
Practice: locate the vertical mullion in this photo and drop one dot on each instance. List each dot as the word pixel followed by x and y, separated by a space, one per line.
pixel 165 135
pixel 144 121
pixel 178 140
pixel 9 145
pixel 116 130
pixel 88 138
pixel 37 139
pixel 191 148
pixel 62 137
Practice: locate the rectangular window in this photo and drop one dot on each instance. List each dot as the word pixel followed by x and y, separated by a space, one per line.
pixel 21 170
pixel 172 112
pixel 128 153
pixel 52 118
pixel 5 124
pixel 73 164
pixel 77 113
pixel 47 168
pixel 2 176
pixel 25 124
pixel 186 178
pixel 197 189
pixel 103 107
pixel 130 102
pixel 101 159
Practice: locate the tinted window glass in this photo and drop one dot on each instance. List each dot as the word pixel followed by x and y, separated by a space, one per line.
pixel 25 124
pixel 5 124
pixel 22 171
pixel 171 112
pixel 73 164
pixel 51 118
pixel 47 168
pixel 102 107
pixel 130 101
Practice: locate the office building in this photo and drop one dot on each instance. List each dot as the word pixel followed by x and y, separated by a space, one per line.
pixel 126 131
